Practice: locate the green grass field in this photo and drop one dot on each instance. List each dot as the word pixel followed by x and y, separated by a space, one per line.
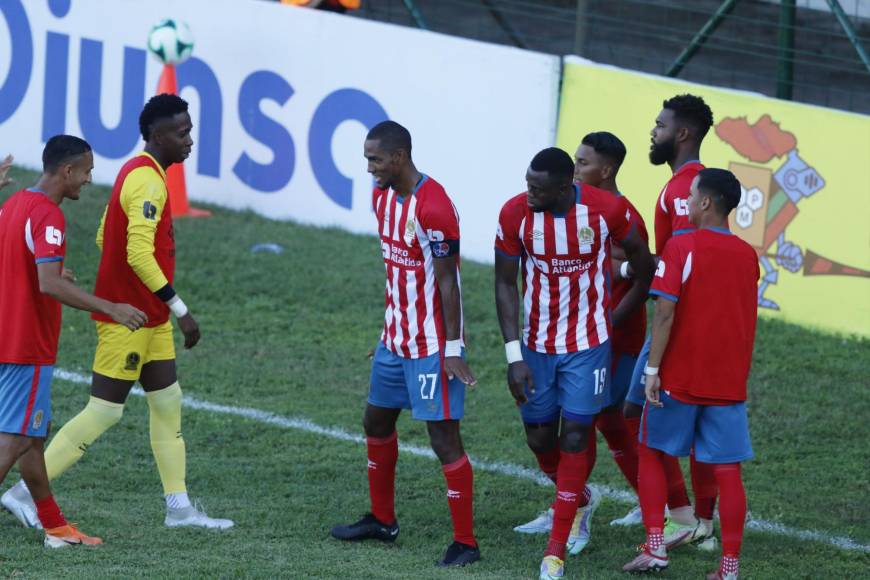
pixel 288 334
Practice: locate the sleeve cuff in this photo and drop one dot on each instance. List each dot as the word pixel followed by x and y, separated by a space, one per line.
pixel 49 259
pixel 504 254
pixel 664 295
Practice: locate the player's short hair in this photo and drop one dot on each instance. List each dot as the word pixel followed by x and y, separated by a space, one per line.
pixel 721 186
pixel 607 145
pixel 164 106
pixel 391 136
pixel 554 162
pixel 61 149
pixel 691 110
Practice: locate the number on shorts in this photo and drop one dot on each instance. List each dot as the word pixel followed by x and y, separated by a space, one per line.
pixel 431 379
pixel 600 379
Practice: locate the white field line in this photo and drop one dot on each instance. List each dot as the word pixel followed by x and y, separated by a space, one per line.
pixel 498 467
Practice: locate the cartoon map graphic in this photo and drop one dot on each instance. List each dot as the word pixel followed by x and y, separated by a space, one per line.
pixel 769 201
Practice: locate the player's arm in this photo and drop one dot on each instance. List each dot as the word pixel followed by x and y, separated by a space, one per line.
pixel 662 222
pixel 5 166
pixel 507 304
pixel 54 282
pixel 666 288
pixel 143 200
pixel 451 305
pixel 642 266
pixel 102 228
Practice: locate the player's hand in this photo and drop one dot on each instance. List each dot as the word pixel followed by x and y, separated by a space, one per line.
pixel 371 354
pixel 68 275
pixel 5 165
pixel 190 329
pixel 129 316
pixel 652 390
pixel 455 366
pixel 519 376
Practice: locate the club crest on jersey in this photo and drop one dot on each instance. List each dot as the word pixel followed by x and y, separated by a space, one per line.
pixel 586 236
pixel 410 230
pixel 149 211
pixel 37 419
pixel 132 362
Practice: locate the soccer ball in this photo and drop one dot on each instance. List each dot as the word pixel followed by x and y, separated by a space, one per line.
pixel 171 41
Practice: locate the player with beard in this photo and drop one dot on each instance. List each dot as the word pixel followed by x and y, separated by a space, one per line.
pixel 676 140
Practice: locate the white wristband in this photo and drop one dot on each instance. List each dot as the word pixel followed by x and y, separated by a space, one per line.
pixel 177 306
pixel 453 348
pixel 648 370
pixel 512 351
pixel 623 271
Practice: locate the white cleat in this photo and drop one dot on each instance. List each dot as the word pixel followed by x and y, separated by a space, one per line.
pixel 581 529
pixel 191 517
pixel 540 525
pixel 632 518
pixel 20 504
pixel 552 568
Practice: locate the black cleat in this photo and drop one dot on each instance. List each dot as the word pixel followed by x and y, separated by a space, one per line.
pixel 368 528
pixel 458 555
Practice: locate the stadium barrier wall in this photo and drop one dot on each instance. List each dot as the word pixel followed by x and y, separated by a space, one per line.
pixel 281 99
pixel 804 171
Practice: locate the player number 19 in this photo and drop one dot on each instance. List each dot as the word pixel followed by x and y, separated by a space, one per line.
pixel 600 379
pixel 430 380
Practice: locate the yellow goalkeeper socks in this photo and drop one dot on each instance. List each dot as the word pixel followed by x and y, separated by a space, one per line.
pixel 73 439
pixel 166 440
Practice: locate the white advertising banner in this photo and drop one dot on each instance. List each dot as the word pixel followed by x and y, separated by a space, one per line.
pixel 281 99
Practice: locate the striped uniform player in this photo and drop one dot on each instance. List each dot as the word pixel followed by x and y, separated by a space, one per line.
pixel 35 283
pixel 558 234
pixel 419 362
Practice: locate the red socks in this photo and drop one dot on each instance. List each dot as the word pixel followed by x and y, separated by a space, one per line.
pixel 569 487
pixel 549 462
pixel 732 508
pixel 704 486
pixel 49 513
pixel 460 496
pixel 383 453
pixel 677 495
pixel 653 487
pixel 622 445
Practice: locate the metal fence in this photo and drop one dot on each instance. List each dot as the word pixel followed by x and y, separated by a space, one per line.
pixel 786 49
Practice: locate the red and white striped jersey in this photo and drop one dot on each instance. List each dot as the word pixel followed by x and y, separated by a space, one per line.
pixel 414 231
pixel 566 267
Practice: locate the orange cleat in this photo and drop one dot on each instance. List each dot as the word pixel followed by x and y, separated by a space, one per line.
pixel 68 535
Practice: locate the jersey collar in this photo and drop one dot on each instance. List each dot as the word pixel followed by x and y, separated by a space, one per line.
pixel 577 187
pixel 686 165
pixel 156 164
pixel 423 179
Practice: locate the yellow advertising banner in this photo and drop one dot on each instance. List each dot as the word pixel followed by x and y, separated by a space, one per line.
pixel 805 173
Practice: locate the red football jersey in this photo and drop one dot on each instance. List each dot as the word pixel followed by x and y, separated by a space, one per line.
pixel 31 231
pixel 414 231
pixel 565 266
pixel 116 280
pixel 672 208
pixel 712 275
pixel 629 336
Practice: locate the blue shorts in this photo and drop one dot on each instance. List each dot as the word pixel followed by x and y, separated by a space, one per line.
pixel 575 383
pixel 636 393
pixel 717 433
pixel 416 384
pixel 622 371
pixel 25 399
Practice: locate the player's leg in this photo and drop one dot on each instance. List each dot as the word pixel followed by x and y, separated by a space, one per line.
pixel 722 443
pixel 441 403
pixel 58 532
pixel 706 490
pixel 665 432
pixel 163 393
pixel 388 395
pixel 611 422
pixel 540 416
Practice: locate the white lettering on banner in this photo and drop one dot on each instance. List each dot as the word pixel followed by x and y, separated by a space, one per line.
pixel 282 137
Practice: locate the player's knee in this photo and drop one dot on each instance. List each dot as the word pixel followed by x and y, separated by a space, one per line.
pixel 105 413
pixel 445 440
pixel 541 441
pixel 575 437
pixel 632 411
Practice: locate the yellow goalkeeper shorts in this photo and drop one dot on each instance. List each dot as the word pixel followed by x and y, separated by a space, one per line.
pixel 121 352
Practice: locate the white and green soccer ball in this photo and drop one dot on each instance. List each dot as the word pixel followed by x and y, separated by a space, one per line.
pixel 171 41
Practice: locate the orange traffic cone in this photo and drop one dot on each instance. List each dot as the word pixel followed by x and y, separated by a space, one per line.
pixel 175 181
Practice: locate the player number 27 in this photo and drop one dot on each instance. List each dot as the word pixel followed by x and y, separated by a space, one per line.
pixel 600 380
pixel 427 380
